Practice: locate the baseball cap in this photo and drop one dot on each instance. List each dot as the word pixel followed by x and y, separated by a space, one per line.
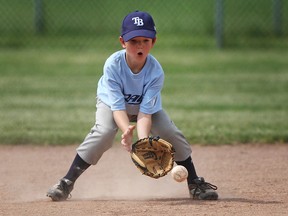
pixel 138 24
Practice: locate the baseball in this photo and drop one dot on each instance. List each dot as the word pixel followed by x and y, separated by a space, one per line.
pixel 179 173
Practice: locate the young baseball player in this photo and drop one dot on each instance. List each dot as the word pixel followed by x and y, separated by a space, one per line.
pixel 130 91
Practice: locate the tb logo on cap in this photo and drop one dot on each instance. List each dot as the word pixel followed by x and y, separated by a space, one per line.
pixel 138 21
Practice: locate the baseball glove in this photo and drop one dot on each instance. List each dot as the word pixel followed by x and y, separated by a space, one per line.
pixel 153 156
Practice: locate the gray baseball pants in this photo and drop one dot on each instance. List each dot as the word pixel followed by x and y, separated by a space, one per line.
pixel 102 135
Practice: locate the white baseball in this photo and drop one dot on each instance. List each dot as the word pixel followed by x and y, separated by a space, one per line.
pixel 179 173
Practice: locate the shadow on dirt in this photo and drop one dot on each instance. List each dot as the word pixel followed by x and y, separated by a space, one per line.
pixel 252 201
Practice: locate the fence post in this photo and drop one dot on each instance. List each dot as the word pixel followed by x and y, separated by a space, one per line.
pixel 39 16
pixel 219 25
pixel 277 17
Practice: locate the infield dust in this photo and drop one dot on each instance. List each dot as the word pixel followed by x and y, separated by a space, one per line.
pixel 251 180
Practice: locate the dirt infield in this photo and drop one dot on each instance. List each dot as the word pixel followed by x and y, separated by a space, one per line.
pixel 251 180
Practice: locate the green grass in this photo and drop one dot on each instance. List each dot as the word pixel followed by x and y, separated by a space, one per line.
pixel 215 97
pixel 48 81
pixel 230 96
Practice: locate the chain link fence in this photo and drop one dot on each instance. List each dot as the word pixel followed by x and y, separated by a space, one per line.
pixel 185 24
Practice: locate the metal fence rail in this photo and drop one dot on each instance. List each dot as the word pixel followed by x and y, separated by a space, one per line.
pixel 186 23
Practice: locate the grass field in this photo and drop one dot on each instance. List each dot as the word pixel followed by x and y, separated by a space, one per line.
pixel 215 97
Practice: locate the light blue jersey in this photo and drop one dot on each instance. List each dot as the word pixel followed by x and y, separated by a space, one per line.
pixel 121 89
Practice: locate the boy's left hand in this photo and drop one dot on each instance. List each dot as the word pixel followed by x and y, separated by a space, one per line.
pixel 127 138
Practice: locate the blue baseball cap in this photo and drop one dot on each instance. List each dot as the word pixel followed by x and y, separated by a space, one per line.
pixel 138 24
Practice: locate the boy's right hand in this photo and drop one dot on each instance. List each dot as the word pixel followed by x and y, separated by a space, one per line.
pixel 127 137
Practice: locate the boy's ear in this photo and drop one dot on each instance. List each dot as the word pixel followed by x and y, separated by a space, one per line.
pixel 122 42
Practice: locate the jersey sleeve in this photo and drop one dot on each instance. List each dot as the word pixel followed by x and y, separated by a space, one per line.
pixel 114 88
pixel 151 102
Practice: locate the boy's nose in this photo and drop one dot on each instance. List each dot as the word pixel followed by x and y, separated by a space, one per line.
pixel 140 43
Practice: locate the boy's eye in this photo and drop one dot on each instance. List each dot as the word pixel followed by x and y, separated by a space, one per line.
pixel 133 41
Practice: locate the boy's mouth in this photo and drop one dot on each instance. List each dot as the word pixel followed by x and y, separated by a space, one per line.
pixel 140 53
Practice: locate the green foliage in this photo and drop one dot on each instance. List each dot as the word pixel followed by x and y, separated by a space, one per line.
pixel 215 97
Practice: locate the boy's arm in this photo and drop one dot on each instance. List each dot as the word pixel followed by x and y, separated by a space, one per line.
pixel 144 122
pixel 122 121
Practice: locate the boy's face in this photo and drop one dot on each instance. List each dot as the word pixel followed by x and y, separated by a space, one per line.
pixel 138 48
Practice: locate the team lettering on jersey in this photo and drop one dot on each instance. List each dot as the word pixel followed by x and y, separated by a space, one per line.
pixel 133 99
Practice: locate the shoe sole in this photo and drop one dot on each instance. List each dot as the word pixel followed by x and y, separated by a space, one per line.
pixel 54 196
pixel 209 196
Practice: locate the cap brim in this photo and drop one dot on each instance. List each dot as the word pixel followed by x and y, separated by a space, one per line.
pixel 139 33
